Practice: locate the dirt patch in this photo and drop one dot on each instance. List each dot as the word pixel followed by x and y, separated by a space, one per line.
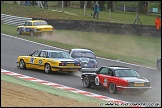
pixel 14 95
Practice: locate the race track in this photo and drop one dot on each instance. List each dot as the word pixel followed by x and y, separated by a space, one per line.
pixel 11 48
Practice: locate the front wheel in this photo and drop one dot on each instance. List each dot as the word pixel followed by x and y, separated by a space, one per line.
pixel 22 64
pixel 112 88
pixel 47 68
pixel 86 82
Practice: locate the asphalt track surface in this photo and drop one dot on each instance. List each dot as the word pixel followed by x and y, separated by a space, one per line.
pixel 11 48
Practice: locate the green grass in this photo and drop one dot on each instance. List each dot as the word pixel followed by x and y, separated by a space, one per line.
pixel 115 17
pixel 133 49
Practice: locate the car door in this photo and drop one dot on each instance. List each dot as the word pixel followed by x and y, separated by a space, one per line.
pixel 27 27
pixel 105 76
pixel 41 60
pixel 33 60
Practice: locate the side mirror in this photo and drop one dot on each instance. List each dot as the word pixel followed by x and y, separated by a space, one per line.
pixel 30 54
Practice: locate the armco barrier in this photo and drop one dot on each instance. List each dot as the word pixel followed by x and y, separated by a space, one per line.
pixel 104 27
pixel 13 20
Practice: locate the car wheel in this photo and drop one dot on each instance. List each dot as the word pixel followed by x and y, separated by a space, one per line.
pixel 32 33
pixel 112 88
pixel 47 68
pixel 158 65
pixel 86 82
pixel 22 64
pixel 18 31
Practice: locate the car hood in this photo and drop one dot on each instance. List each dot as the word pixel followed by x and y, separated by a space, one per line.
pixel 135 79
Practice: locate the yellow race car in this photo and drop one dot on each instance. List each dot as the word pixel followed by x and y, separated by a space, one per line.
pixel 49 60
pixel 34 27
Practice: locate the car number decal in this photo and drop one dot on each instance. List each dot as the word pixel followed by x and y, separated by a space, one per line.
pixel 40 61
pixel 31 60
pixel 105 82
pixel 97 80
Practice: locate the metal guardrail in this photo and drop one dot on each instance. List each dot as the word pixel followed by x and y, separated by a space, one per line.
pixel 13 20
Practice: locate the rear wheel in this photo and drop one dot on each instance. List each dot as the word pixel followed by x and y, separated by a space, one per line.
pixel 112 88
pixel 47 68
pixel 22 64
pixel 32 33
pixel 86 82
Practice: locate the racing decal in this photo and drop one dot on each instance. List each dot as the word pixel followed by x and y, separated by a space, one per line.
pixel 97 82
pixel 40 61
pixel 105 82
pixel 24 29
pixel 28 29
pixel 31 60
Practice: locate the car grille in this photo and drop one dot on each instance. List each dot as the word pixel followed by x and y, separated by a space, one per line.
pixel 87 65
pixel 132 84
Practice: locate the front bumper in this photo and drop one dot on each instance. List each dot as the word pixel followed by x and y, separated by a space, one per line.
pixel 64 68
pixel 133 87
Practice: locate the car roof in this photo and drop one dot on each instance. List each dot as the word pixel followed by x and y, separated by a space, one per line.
pixel 48 50
pixel 35 20
pixel 81 49
pixel 117 67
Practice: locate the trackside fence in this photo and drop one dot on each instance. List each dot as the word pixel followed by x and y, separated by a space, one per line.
pixel 13 20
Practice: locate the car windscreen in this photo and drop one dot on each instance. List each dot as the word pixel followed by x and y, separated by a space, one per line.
pixel 79 54
pixel 126 73
pixel 40 23
pixel 60 55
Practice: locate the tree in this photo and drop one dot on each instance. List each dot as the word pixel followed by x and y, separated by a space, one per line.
pixel 89 4
pixel 101 4
pixel 111 5
pixel 81 4
pixel 141 7
pixel 14 2
pixel 67 3
pixel 59 3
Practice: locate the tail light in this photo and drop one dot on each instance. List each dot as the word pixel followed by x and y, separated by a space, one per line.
pixel 61 64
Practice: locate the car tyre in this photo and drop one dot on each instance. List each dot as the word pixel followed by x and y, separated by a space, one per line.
pixel 47 68
pixel 22 64
pixel 112 88
pixel 86 82
pixel 159 65
pixel 32 33
pixel 18 31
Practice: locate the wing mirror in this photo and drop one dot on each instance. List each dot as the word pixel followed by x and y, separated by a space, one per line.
pixel 30 54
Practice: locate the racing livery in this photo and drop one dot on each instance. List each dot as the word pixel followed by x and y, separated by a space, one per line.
pixel 34 27
pixel 116 78
pixel 49 60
